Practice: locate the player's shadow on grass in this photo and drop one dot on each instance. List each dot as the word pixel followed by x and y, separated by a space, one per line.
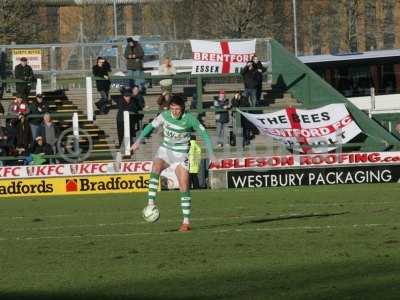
pixel 269 219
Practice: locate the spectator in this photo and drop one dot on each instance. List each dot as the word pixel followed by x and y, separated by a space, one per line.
pixel 259 78
pixel 23 72
pixel 134 62
pixel 39 149
pixel 250 78
pixel 15 109
pixel 221 117
pixel 102 71
pixel 24 135
pixel 166 68
pixel 194 162
pixel 49 132
pixel 163 100
pixel 2 77
pixel 126 104
pixel 37 107
pixel 5 147
pixel 238 101
pixel 2 72
pixel 138 99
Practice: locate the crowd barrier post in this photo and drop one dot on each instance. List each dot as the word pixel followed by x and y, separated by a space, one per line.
pixel 127 133
pixel 38 86
pixel 89 98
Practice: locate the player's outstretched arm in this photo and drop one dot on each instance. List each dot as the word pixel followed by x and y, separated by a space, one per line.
pixel 147 130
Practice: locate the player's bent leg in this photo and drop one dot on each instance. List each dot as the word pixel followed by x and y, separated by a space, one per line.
pixel 186 199
pixel 158 166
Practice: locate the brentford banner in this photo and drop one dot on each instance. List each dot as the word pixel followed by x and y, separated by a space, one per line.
pixel 221 57
pixel 308 131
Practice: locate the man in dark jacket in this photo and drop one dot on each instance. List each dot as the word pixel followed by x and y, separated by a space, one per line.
pixel 250 79
pixel 239 101
pixel 101 72
pixel 259 78
pixel 221 117
pixel 134 55
pixel 126 104
pixel 24 73
pixel 38 107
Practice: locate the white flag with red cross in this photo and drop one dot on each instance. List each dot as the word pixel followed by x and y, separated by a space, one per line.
pixel 308 130
pixel 221 57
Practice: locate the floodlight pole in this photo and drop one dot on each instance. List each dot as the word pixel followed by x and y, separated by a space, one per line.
pixel 116 32
pixel 295 27
pixel 115 19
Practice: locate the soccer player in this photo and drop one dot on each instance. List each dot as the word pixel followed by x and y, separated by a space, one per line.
pixel 177 126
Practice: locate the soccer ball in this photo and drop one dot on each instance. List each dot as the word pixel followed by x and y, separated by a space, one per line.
pixel 151 214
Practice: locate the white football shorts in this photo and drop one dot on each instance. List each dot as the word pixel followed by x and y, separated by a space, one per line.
pixel 173 158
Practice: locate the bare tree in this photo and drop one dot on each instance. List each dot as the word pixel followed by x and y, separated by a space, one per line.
pixel 19 23
pixel 235 19
pixel 352 13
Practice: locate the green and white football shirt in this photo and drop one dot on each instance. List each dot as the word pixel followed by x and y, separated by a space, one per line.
pixel 177 131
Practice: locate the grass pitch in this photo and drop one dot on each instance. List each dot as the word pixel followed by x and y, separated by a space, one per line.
pixel 323 242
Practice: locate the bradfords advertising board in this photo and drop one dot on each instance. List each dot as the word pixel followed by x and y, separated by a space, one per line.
pixel 313 176
pixel 221 57
pixel 304 130
pixel 54 186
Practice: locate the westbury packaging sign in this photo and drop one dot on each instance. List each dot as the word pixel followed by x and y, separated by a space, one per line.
pixel 221 57
pixel 74 185
pixel 308 131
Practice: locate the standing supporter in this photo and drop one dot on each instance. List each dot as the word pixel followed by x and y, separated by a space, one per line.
pixel 18 106
pixel 126 104
pixel 194 162
pixel 49 132
pixel 2 78
pixel 5 147
pixel 24 135
pixel 166 68
pixel 259 78
pixel 221 117
pixel 101 71
pixel 23 72
pixel 239 101
pixel 37 107
pixel 134 55
pixel 250 78
pixel 15 109
pixel 138 99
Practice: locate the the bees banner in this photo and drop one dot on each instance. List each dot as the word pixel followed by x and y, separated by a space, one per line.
pixel 308 131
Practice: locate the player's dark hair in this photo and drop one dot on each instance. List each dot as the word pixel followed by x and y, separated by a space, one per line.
pixel 178 100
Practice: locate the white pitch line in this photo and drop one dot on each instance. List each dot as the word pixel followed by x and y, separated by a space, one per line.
pixel 136 223
pixel 44 228
pixel 258 229
pixel 238 207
